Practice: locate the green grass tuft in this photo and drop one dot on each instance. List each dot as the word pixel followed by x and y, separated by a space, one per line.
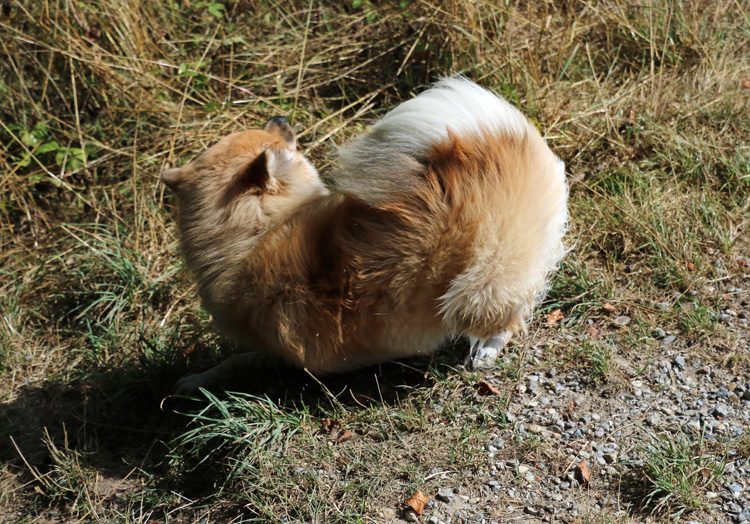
pixel 676 473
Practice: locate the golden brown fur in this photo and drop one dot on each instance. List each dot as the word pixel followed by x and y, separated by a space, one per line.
pixel 330 282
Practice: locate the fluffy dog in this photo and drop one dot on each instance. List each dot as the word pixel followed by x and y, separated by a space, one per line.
pixel 445 220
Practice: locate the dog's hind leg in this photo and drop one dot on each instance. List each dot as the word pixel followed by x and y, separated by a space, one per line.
pixel 483 352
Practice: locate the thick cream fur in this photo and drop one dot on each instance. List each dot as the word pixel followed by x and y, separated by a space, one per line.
pixel 377 165
pixel 446 219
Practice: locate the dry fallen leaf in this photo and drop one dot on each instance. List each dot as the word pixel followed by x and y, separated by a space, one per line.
pixel 691 266
pixel 593 331
pixel 608 308
pixel 554 317
pixel 487 389
pixel 417 502
pixel 746 83
pixel 329 424
pixel 585 473
pixel 346 435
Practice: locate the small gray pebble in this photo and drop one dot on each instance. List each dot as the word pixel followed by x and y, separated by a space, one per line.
pixel 668 340
pixel 658 333
pixel 445 495
pixel 720 411
pixel 679 361
pixel 497 443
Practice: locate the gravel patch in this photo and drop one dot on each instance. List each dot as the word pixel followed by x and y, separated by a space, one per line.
pixel 563 418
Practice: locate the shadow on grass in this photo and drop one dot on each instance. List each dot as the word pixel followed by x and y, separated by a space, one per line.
pixel 123 419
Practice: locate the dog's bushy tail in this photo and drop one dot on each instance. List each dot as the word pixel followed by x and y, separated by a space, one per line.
pixel 387 161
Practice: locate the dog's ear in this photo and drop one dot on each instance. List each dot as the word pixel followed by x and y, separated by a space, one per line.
pixel 280 127
pixel 171 177
pixel 255 176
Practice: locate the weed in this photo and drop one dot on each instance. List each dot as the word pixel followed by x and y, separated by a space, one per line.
pixel 600 356
pixel 676 472
pixel 596 356
pixel 696 318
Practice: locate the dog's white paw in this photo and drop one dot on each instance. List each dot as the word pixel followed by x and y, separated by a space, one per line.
pixel 484 353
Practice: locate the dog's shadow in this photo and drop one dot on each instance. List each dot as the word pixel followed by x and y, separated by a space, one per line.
pixel 125 417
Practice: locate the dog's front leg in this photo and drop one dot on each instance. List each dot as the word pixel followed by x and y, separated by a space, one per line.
pixel 219 374
pixel 483 352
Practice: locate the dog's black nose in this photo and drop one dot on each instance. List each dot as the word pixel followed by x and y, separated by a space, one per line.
pixel 279 120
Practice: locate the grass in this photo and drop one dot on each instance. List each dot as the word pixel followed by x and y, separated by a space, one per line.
pixel 676 473
pixel 600 355
pixel 647 103
pixel 224 426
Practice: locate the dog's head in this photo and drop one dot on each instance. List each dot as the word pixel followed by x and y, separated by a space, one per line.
pixel 248 176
